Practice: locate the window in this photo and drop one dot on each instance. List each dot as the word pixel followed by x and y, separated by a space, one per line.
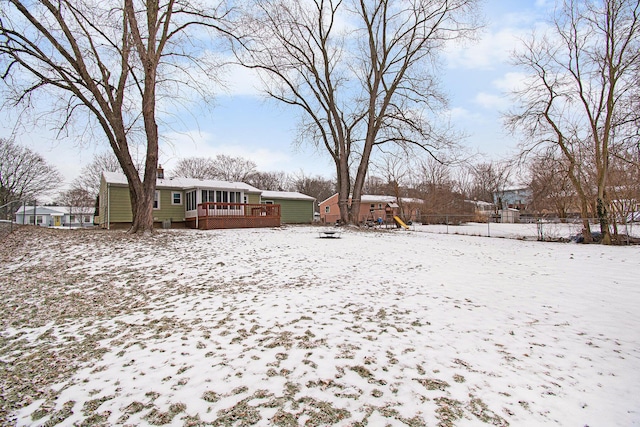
pixel 38 219
pixel 86 218
pixel 191 200
pixel 220 196
pixel 176 198
pixel 208 196
pixel 327 209
pixel 379 205
pixel 156 200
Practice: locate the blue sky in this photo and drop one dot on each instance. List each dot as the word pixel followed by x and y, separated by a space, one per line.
pixel 476 77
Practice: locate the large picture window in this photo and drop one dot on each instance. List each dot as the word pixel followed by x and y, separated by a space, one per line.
pixel 220 196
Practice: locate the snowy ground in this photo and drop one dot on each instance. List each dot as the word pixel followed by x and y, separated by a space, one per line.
pixel 279 327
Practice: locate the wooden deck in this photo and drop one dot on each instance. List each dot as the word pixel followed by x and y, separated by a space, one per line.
pixel 214 215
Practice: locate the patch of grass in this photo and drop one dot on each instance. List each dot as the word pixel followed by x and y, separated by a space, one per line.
pixel 449 410
pixel 134 407
pixel 61 415
pixel 322 413
pixel 362 371
pixel 239 390
pixel 284 419
pixel 91 406
pixel 95 420
pixel 241 414
pixel 210 396
pixel 459 378
pixel 157 418
pixel 480 409
pixel 432 383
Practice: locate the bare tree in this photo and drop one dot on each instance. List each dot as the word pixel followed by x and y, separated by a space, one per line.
pixel 583 77
pixel 195 167
pixel 24 175
pixel 360 87
pixel 552 191
pixel 395 170
pixel 443 202
pixel 489 179
pixel 273 181
pixel 101 62
pixel 79 201
pixel 91 174
pixel 233 169
pixel 222 167
pixel 314 186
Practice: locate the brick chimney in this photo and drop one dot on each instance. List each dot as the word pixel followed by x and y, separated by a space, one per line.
pixel 160 172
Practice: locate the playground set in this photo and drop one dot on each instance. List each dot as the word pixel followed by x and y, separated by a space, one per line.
pixel 391 221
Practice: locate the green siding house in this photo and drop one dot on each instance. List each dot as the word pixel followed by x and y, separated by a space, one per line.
pixel 177 200
pixel 295 208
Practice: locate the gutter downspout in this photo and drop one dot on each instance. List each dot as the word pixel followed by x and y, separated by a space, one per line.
pixel 108 206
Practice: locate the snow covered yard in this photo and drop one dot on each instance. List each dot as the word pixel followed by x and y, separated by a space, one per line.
pixel 279 327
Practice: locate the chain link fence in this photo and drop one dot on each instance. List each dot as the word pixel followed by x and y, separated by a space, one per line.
pixel 622 231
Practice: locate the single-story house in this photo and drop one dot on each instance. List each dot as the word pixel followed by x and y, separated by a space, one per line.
pixel 195 203
pixel 295 208
pixel 56 216
pixel 373 207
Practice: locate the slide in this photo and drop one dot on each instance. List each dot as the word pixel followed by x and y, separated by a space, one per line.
pixel 401 222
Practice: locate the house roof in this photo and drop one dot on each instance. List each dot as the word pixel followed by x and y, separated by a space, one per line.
pixel 54 210
pixel 372 198
pixel 480 202
pixel 289 195
pixel 184 183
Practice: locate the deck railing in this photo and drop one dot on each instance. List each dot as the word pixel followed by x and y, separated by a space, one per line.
pixel 237 215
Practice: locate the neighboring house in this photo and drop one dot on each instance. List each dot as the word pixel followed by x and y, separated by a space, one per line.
pixel 482 210
pixel 295 208
pixel 513 198
pixel 195 203
pixel 56 216
pixel 373 207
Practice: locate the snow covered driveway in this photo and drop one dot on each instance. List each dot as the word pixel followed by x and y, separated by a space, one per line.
pixel 279 327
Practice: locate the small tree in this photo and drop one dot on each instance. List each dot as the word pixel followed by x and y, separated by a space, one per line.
pixel 91 174
pixel 552 191
pixel 24 175
pixel 80 202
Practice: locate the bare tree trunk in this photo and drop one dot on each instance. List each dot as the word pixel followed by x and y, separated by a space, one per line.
pixel 299 47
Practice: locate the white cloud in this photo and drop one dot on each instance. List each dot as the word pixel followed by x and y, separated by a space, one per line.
pixel 204 144
pixel 461 115
pixel 491 101
pixel 510 81
pixel 241 81
pixel 492 50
